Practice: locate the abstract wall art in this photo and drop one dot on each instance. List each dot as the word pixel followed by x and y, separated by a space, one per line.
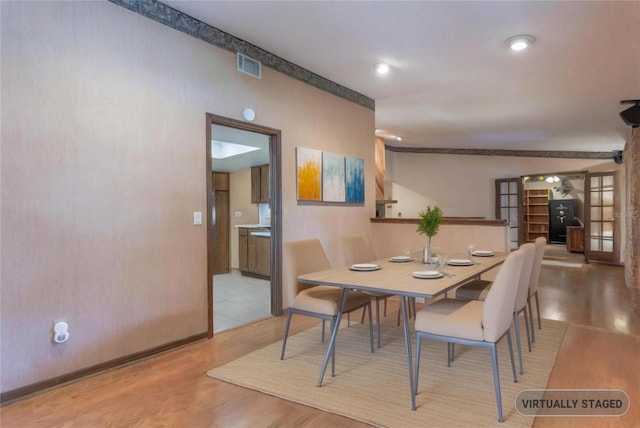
pixel 329 177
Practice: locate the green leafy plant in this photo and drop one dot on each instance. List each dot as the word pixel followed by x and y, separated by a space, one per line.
pixel 430 219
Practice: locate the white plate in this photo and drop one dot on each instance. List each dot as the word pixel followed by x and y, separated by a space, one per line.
pixel 482 253
pixel 427 274
pixel 365 266
pixel 401 259
pixel 460 262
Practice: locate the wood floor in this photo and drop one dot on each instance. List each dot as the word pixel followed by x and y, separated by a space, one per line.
pixel 600 350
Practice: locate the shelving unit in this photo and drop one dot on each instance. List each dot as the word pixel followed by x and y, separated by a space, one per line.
pixel 536 214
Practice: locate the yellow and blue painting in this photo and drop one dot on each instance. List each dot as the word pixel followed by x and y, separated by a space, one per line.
pixel 329 177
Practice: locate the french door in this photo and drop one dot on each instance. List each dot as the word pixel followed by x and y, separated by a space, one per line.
pixel 601 206
pixel 508 203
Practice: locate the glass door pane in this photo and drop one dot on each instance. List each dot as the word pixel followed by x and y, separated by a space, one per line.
pixel 508 197
pixel 602 239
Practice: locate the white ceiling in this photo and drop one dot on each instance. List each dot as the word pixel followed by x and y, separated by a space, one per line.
pixel 454 83
pixel 239 136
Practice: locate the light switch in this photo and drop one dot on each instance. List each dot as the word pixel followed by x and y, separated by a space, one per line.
pixel 197 218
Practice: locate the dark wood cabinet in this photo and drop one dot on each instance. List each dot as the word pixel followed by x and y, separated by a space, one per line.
pixel 243 249
pixel 260 184
pixel 575 239
pixel 254 253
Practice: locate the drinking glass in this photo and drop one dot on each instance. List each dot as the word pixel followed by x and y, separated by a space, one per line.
pixel 435 252
pixel 442 262
pixel 470 249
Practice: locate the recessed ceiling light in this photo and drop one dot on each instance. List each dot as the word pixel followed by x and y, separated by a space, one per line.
pixel 382 68
pixel 521 42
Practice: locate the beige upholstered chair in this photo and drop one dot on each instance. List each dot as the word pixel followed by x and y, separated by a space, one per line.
pixel 319 301
pixel 473 291
pixel 356 249
pixel 540 244
pixel 475 322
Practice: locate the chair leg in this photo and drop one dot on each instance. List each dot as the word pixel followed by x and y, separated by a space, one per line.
pixel 526 326
pixel 538 310
pixel 385 306
pixel 513 363
pixel 323 321
pixel 364 312
pixel 516 322
pixel 371 328
pixel 533 333
pixel 378 318
pixel 496 380
pixel 333 354
pixel 415 383
pixel 286 333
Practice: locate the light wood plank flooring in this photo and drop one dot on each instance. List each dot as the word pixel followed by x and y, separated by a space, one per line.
pixel 600 350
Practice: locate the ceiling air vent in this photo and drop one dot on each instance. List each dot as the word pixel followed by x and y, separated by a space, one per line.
pixel 249 66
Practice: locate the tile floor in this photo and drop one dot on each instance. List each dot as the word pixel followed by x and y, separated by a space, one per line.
pixel 238 300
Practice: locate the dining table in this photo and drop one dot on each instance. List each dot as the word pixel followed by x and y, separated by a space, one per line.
pixel 400 275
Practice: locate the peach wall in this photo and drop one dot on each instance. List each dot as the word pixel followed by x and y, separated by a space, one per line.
pixel 103 165
pixel 463 185
pixel 392 239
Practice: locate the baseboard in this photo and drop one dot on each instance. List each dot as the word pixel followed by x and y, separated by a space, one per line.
pixel 18 393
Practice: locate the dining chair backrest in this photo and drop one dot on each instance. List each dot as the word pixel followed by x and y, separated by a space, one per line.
pixel 302 257
pixel 540 244
pixel 356 249
pixel 529 250
pixel 498 306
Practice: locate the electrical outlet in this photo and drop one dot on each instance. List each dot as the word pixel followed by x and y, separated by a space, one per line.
pixel 419 299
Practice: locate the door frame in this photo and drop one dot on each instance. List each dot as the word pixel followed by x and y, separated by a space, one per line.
pixel 275 177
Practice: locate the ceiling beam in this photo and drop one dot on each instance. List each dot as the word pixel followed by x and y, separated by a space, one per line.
pixel 496 152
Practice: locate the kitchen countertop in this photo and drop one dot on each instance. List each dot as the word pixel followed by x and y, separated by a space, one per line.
pixel 254 226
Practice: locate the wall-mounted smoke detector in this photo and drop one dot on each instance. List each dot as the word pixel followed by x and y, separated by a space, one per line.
pixel 249 66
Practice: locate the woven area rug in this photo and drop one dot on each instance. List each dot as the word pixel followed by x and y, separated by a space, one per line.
pixel 374 388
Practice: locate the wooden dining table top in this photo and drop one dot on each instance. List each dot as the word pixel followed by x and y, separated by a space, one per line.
pixel 397 277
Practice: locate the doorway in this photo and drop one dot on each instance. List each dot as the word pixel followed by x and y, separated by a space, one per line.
pixel 219 131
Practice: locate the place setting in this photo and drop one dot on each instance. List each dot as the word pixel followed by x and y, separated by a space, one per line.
pixel 428 274
pixel 402 259
pixel 364 267
pixel 473 252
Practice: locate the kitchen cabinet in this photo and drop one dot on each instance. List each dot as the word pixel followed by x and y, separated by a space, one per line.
pixel 243 249
pixel 260 184
pixel 260 255
pixel 254 252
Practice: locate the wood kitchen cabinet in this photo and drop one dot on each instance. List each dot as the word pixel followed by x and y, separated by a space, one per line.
pixel 254 253
pixel 260 255
pixel 243 249
pixel 260 184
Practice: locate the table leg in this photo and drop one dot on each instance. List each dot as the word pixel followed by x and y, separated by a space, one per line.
pixel 407 341
pixel 334 333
